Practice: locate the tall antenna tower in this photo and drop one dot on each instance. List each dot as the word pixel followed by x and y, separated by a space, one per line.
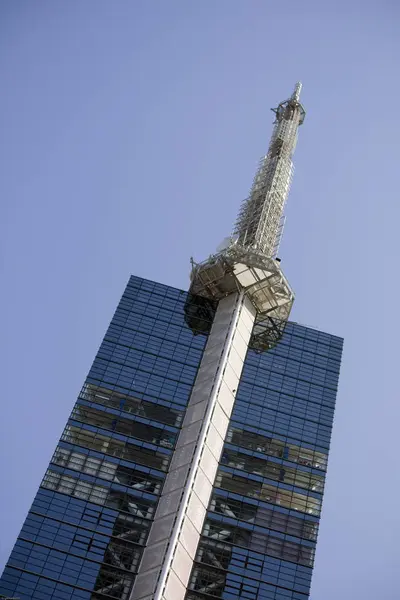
pixel 248 262
pixel 241 299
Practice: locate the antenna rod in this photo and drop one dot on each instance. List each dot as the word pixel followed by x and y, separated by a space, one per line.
pixel 297 91
pixel 259 221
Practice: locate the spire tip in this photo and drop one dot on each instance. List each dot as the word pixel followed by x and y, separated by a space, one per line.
pixel 297 90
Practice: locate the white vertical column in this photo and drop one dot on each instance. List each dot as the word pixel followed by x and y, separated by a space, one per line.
pixel 174 535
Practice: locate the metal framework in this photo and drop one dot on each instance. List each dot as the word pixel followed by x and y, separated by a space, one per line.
pixel 248 261
pixel 260 221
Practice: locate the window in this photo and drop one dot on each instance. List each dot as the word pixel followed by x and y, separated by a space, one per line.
pixel 75 487
pixel 98 494
pixel 272 470
pixel 141 431
pixel 255 441
pixel 268 493
pixel 264 516
pixel 100 467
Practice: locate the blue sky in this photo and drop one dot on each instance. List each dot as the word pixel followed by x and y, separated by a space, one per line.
pixel 130 134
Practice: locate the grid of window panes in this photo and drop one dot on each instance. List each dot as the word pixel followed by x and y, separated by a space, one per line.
pixel 259 537
pixel 89 522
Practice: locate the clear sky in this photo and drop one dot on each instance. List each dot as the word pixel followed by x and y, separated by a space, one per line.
pixel 130 132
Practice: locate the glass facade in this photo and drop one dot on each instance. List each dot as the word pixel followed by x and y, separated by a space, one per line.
pixel 259 537
pixel 85 532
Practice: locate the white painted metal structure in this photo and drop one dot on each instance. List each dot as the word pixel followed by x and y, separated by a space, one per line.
pixel 246 280
pixel 260 218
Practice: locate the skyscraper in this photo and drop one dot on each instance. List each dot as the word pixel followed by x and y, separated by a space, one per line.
pixel 192 466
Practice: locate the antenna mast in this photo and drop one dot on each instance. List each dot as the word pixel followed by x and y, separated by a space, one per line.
pixel 259 222
pixel 241 299
pixel 248 263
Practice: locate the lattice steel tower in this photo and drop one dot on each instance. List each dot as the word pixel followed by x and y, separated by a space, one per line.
pixel 254 301
pixel 248 262
pixel 259 222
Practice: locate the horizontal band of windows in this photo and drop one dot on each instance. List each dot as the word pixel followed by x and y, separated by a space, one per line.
pixel 275 454
pixel 145 362
pixel 132 405
pixel 152 346
pixel 320 397
pixel 256 567
pixel 246 404
pixel 136 283
pixel 126 531
pixel 154 295
pixel 150 341
pixel 286 404
pixel 250 532
pixel 137 378
pixel 151 299
pixel 157 311
pixel 289 383
pixel 98 494
pixel 154 299
pixel 21 584
pixel 87 515
pixel 129 315
pixel 281 430
pixel 257 541
pixel 317 392
pixel 269 481
pixel 155 387
pixel 294 369
pixel 182 335
pixel 141 396
pixel 274 401
pixel 46 535
pixel 264 516
pixel 129 336
pixel 105 469
pixel 292 349
pixel 271 446
pixel 104 484
pixel 291 387
pixel 161 435
pixel 269 493
pixel 129 464
pixel 265 468
pixel 127 416
pixel 321 402
pixel 108 583
pixel 263 505
pixel 323 397
pixel 172 370
pixel 171 298
pixel 304 356
pixel 317 347
pixel 305 331
pixel 280 424
pixel 212 582
pixel 285 439
pixel 117 445
pixel 286 355
pixel 293 358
